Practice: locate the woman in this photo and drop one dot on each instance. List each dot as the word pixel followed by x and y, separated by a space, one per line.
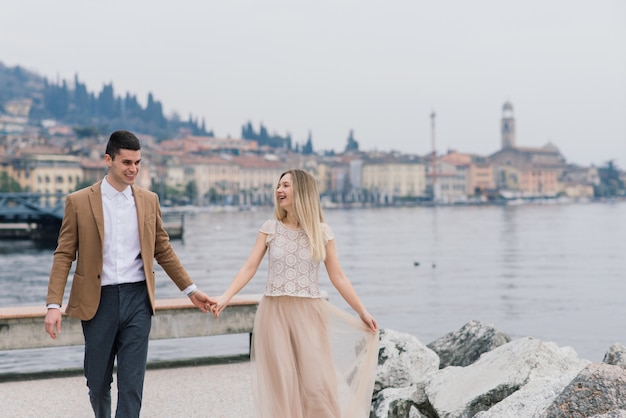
pixel 311 359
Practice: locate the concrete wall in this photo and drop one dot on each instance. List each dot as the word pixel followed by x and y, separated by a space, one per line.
pixel 23 327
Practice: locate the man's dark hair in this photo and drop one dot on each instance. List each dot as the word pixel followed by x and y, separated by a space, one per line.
pixel 122 140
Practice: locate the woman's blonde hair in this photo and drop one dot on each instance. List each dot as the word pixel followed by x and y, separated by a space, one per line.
pixel 307 210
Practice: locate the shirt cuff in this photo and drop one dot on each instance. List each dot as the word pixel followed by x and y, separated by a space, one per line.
pixel 190 289
pixel 53 306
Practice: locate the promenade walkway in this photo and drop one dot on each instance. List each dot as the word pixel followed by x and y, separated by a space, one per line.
pixel 217 391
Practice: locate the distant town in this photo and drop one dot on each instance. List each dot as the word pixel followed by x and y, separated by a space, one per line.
pixel 50 157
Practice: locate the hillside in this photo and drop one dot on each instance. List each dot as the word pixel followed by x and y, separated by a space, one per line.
pixel 90 113
pixel 69 102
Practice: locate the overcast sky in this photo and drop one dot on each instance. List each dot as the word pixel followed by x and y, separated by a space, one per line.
pixel 330 66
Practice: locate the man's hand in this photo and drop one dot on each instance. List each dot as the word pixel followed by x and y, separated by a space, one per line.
pixel 52 323
pixel 202 301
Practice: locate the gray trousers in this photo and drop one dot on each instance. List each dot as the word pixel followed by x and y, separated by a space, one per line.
pixel 120 329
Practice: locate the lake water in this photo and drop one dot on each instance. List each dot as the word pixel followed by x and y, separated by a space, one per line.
pixel 555 272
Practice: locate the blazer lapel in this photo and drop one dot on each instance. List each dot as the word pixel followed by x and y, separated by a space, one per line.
pixel 95 201
pixel 141 210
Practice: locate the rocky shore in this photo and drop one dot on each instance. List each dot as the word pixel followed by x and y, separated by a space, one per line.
pixel 479 371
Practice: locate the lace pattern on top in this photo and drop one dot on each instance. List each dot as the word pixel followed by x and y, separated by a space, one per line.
pixel 291 268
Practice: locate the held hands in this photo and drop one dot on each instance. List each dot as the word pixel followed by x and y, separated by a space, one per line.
pixel 369 321
pixel 221 303
pixel 202 301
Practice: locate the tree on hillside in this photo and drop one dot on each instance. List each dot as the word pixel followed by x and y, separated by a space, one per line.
pixel 191 191
pixel 264 138
pixel 247 131
pixel 86 131
pixel 154 112
pixel 307 149
pixel 8 184
pixel 106 102
pixel 56 99
pixel 611 184
pixel 132 108
pixel 353 144
pixel 83 102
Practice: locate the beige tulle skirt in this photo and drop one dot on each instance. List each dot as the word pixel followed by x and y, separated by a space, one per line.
pixel 311 360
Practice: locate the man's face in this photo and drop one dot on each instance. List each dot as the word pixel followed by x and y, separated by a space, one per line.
pixel 123 169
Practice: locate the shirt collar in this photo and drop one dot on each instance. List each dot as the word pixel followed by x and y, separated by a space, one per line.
pixel 109 191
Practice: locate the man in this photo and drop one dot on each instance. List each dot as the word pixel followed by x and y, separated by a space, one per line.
pixel 114 231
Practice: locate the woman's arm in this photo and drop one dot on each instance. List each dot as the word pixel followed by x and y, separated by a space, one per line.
pixel 344 286
pixel 244 275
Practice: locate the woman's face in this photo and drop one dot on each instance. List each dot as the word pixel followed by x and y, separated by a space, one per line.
pixel 284 192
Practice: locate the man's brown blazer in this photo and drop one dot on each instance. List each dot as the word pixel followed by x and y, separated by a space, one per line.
pixel 81 238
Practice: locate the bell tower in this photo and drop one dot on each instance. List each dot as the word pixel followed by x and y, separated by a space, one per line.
pixel 507 126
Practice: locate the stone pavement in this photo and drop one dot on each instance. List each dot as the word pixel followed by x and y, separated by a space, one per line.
pixel 216 391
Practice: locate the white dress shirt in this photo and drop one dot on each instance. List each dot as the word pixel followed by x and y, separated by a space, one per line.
pixel 122 251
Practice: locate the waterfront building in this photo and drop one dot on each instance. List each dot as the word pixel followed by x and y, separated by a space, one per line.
pixel 579 182
pixel 324 177
pixel 175 177
pixel 392 179
pixel 214 167
pixel 257 178
pixel 507 179
pixel 537 170
pixel 168 174
pixel 583 175
pixel 525 172
pixel 93 169
pixel 447 181
pixel 479 173
pixel 337 181
pixel 576 190
pixel 355 174
pixel 46 170
pixel 216 179
pixel 232 171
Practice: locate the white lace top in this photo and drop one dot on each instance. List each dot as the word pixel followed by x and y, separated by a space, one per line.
pixel 291 269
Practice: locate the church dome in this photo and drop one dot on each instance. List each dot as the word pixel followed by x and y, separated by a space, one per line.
pixel 551 147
